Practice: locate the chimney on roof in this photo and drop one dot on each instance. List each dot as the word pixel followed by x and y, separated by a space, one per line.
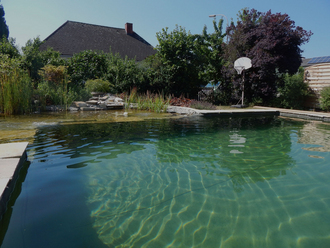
pixel 129 28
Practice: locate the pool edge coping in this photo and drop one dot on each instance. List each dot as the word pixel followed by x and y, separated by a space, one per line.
pixel 12 158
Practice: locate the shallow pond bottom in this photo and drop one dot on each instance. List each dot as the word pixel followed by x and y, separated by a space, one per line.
pixel 188 182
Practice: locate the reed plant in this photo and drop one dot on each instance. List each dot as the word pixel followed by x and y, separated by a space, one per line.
pixel 15 87
pixel 152 102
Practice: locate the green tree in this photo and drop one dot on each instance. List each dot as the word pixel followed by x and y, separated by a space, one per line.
pixel 156 75
pixel 124 74
pixel 210 47
pixel 176 51
pixel 4 31
pixel 7 46
pixel 272 42
pixel 33 59
pixel 87 65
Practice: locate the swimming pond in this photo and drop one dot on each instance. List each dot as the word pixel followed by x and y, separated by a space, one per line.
pixel 188 182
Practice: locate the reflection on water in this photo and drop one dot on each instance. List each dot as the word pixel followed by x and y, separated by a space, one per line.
pixel 316 133
pixel 189 182
pixel 236 140
pixel 23 127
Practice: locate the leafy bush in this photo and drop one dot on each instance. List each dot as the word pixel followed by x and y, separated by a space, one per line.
pixel 52 73
pixel 33 59
pixel 87 65
pixel 54 89
pixel 293 91
pixel 325 99
pixel 123 74
pixel 98 85
pixel 8 47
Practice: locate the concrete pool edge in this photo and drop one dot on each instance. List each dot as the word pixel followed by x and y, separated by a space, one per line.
pixel 12 158
pixel 255 111
pixel 300 114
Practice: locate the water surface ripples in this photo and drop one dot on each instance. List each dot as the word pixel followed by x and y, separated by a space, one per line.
pixel 190 182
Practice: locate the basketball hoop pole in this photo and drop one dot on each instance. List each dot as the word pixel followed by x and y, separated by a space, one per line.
pixel 243 88
pixel 241 64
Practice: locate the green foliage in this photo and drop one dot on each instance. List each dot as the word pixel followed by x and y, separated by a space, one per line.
pixel 210 49
pixel 325 99
pixel 293 91
pixel 151 102
pixel 4 31
pixel 52 73
pixel 80 92
pixel 33 59
pixel 54 87
pixel 157 76
pixel 7 46
pixel 15 87
pixel 123 74
pixel 87 65
pixel 98 85
pixel 177 53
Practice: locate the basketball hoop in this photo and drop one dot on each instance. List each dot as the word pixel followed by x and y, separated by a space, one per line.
pixel 240 65
pixel 239 69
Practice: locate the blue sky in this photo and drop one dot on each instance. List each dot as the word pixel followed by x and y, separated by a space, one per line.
pixel 29 19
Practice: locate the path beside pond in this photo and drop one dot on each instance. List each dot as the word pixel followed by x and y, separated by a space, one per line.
pixel 12 158
pixel 257 110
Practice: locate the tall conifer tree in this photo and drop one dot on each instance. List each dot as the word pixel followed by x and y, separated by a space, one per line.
pixel 4 31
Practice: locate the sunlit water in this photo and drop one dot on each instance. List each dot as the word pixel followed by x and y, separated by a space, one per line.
pixel 190 182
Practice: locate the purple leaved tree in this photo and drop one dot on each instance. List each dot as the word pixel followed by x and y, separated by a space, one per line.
pixel 272 42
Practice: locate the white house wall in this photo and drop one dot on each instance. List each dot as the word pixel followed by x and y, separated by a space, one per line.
pixel 317 77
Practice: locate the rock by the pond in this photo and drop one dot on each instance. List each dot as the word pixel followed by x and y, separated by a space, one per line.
pixel 99 101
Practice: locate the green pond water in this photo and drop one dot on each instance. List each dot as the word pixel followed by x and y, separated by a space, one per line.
pixel 184 182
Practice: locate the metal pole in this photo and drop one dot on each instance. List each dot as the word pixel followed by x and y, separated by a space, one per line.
pixel 243 88
pixel 214 16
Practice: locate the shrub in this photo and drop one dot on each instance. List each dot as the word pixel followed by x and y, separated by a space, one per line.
pixel 54 89
pixel 325 99
pixel 123 74
pixel 87 65
pixel 98 85
pixel 293 91
pixel 52 73
pixel 8 47
pixel 33 59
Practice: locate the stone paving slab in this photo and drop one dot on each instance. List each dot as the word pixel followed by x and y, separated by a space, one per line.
pixel 234 111
pixel 257 110
pixel 12 157
pixel 12 150
pixel 301 114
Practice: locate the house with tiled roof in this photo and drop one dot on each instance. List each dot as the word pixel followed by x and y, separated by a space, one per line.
pixel 74 37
